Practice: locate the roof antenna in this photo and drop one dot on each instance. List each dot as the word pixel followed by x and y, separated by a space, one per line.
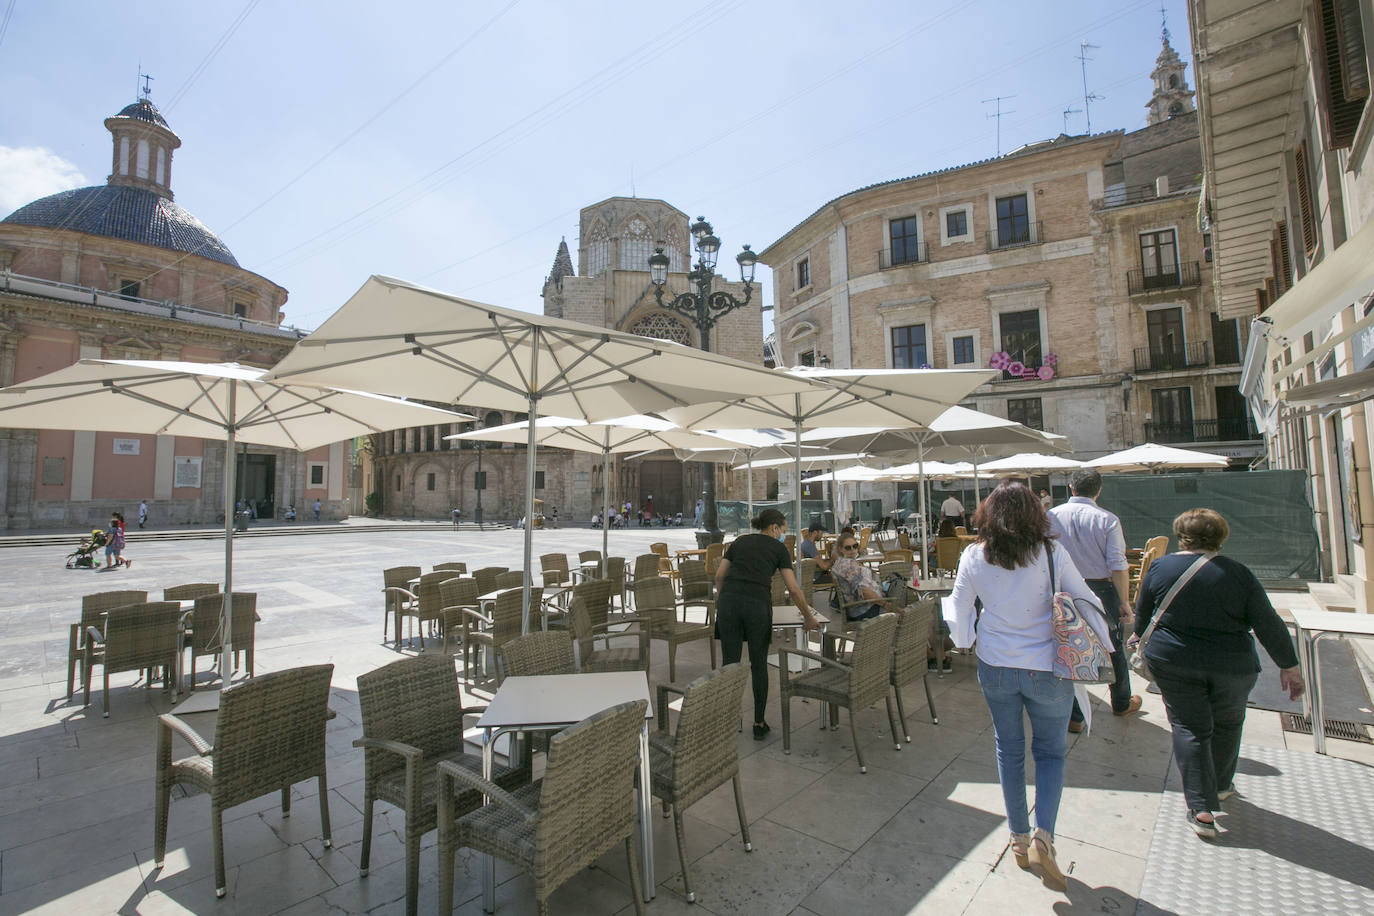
pixel 632 180
pixel 147 90
pixel 1069 111
pixel 1088 97
pixel 998 115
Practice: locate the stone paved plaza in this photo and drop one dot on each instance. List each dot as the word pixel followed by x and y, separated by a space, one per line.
pixel 921 832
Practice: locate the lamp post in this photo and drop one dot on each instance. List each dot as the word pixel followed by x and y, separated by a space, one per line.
pixel 703 307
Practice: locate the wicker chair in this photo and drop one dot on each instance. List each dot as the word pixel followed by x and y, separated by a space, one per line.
pixel 595 595
pixel 456 566
pixel 494 630
pixel 909 649
pixel 583 807
pixel 206 638
pixel 190 591
pixel 134 638
pixel 615 572
pixel 399 598
pixel 455 595
pixel 714 553
pixel 589 556
pixel 93 611
pixel 947 551
pixel 697 585
pixel 665 561
pixel 657 606
pixel 269 736
pixel 413 719
pixel 620 658
pixel 855 684
pixel 701 754
pixel 646 567
pixel 511 578
pixel 554 568
pixel 486 578
pixel 545 652
pixel 899 555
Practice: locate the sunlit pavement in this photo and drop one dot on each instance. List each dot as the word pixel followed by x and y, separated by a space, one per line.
pixel 923 831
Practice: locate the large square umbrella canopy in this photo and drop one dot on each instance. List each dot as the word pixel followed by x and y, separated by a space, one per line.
pixel 207 401
pixel 1151 458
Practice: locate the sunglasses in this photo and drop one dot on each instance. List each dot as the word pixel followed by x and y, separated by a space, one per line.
pixel 849 546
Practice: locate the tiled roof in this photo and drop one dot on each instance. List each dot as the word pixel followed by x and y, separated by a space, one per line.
pixel 143 110
pixel 128 213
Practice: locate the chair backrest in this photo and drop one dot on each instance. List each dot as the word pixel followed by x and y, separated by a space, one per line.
pixel 615 572
pixel 960 531
pixel 458 592
pixel 1159 543
pixel 190 591
pixel 947 552
pixel 430 601
pixel 596 598
pixel 777 590
pixel 415 700
pixel 457 566
pixel 587 800
pixel 906 556
pixel 912 641
pixel 646 566
pixel 653 593
pixel 270 732
pixel 871 660
pixel 142 635
pixel 486 578
pixel 705 744
pixel 660 548
pixel 507 613
pixel 864 534
pixel 399 576
pixel 903 540
pixel 554 567
pixel 696 584
pixel 543 652
pixel 206 637
pixel 588 556
pixel 790 542
pixel 94 607
pixel 807 571
pixel 512 578
pixel 714 553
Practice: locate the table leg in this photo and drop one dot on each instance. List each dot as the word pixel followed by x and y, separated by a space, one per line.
pixel 485 862
pixel 1315 686
pixel 646 822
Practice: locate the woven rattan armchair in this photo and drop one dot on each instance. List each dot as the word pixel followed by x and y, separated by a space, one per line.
pixel 899 555
pixel 702 753
pixel 413 719
pixel 455 566
pixel 855 684
pixel 494 630
pixel 909 649
pixel 190 591
pixel 658 608
pixel 584 806
pixel 455 595
pixel 588 556
pixel 93 611
pixel 697 585
pixel 646 567
pixel 486 578
pixel 544 652
pixel 714 553
pixel 269 736
pixel 206 639
pixel 554 569
pixel 136 637
pixel 596 598
pixel 511 578
pixel 615 572
pixel 609 658
pixel 399 598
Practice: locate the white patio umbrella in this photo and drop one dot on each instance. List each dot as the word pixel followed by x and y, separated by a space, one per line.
pixel 418 342
pixel 637 433
pixel 752 445
pixel 1027 463
pixel 1153 458
pixel 206 401
pixel 874 397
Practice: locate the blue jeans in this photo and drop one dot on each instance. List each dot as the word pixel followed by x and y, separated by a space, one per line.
pixel 1048 700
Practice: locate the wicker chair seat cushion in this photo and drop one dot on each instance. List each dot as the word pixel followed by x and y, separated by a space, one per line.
pixel 502 832
pixel 626 659
pixel 830 685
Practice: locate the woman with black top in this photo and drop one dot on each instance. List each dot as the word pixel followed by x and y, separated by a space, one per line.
pixel 744 605
pixel 1204 660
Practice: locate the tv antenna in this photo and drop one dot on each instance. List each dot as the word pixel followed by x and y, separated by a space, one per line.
pixel 144 78
pixel 998 115
pixel 1070 111
pixel 1088 97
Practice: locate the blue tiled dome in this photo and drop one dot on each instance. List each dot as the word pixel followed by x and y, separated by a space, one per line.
pixel 128 213
pixel 143 110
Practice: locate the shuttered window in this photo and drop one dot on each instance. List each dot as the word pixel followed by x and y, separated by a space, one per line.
pixel 1305 210
pixel 1342 73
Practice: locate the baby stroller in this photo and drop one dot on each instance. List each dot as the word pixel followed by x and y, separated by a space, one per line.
pixel 84 556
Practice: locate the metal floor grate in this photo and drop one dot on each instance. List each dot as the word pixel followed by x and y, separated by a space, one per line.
pixel 1335 728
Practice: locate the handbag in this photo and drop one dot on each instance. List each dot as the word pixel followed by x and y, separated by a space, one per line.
pixel 1139 664
pixel 1079 653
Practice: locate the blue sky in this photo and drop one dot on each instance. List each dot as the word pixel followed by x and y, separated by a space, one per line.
pixel 452 144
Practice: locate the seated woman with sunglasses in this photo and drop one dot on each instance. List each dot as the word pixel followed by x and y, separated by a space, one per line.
pixel 857 583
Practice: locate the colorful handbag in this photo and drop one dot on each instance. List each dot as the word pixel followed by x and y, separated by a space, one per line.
pixel 1079 653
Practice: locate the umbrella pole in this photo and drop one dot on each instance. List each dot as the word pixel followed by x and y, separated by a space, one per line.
pixel 924 520
pixel 529 515
pixel 227 604
pixel 749 506
pixel 605 498
pixel 977 497
pixel 796 466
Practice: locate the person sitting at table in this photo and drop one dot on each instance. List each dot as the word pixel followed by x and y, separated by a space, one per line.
pixel 810 551
pixel 857 583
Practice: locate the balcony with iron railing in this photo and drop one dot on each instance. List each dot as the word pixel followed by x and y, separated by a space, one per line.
pixel 1173 358
pixel 1154 278
pixel 1225 429
pixel 1017 237
pixel 909 253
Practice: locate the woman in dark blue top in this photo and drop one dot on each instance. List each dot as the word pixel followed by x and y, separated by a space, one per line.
pixel 744 604
pixel 1204 660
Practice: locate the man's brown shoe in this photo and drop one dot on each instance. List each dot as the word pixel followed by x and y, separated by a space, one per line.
pixel 1133 708
pixel 1075 727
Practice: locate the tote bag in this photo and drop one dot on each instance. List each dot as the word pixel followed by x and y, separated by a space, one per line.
pixel 1079 653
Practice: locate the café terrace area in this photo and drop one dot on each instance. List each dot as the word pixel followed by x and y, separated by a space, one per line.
pixel 921 831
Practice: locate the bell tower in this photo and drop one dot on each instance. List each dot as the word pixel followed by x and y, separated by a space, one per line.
pixel 1171 94
pixel 143 147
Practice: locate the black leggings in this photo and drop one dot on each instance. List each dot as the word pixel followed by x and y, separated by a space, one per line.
pixel 741 619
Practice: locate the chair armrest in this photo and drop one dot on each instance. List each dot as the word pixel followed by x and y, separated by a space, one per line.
pixel 94 636
pixel 405 593
pixel 448 770
pixel 408 751
pixel 473 711
pixel 193 738
pixel 783 652
pixel 663 691
pixel 478 615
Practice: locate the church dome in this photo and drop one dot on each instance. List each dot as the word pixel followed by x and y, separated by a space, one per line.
pixel 143 110
pixel 128 213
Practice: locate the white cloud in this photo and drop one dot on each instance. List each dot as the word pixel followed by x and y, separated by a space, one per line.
pixel 30 172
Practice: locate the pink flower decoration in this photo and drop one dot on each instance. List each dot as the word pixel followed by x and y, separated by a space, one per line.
pixel 1051 359
pixel 1046 373
pixel 1000 360
pixel 1028 372
pixel 1016 368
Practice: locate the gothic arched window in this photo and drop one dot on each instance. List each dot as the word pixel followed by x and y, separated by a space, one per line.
pixel 662 326
pixel 636 244
pixel 1176 108
pixel 598 250
pixel 677 244
pixel 1173 80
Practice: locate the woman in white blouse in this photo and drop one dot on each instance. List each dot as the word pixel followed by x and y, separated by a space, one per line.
pixel 1007 572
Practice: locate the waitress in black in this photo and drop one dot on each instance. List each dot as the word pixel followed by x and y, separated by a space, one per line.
pixel 744 607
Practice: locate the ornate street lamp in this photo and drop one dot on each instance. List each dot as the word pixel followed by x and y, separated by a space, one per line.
pixel 703 307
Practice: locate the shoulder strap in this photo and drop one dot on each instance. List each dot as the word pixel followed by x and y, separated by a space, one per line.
pixel 1049 558
pixel 1181 581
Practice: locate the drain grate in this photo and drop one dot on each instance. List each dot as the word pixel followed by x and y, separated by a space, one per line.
pixel 1335 728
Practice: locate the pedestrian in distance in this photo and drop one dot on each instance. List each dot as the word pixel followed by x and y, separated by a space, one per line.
pixel 317 510
pixel 1093 537
pixel 1203 658
pixel 114 543
pixel 142 513
pixel 1008 571
pixel 953 508
pixel 1046 500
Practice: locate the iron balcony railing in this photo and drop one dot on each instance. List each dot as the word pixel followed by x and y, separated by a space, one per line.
pixel 1018 237
pixel 1226 429
pixel 1153 278
pixel 1163 359
pixel 910 253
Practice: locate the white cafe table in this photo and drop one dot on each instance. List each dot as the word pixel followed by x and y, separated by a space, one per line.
pixel 552 701
pixel 1311 626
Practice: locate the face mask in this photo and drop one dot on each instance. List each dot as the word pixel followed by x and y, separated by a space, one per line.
pixel 782 537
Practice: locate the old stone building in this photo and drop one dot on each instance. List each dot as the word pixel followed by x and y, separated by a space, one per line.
pixel 122 271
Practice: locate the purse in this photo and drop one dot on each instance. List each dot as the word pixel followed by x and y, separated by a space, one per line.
pixel 1139 664
pixel 1079 655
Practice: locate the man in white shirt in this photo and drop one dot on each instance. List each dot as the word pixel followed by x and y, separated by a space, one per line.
pixel 952 508
pixel 1092 536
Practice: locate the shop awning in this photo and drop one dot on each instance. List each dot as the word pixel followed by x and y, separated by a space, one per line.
pixel 1336 392
pixel 1342 278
